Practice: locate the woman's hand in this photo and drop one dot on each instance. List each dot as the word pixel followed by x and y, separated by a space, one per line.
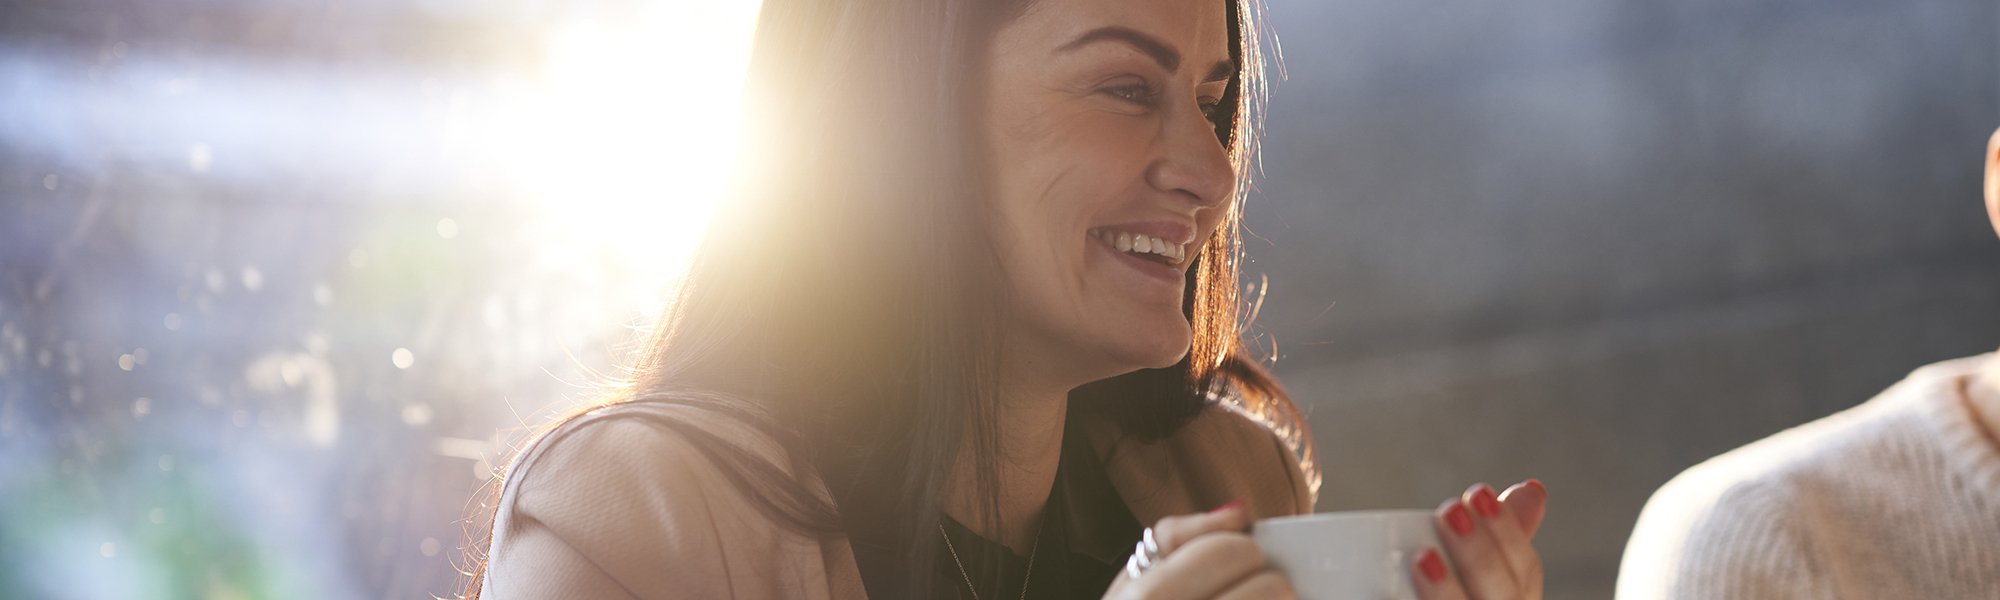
pixel 1204 556
pixel 1487 538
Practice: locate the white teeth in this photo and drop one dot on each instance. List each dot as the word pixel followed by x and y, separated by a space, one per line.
pixel 1142 244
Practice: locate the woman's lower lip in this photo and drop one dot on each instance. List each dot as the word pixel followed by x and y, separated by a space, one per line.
pixel 1152 270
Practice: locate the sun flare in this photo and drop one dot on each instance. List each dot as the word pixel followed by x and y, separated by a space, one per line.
pixel 625 136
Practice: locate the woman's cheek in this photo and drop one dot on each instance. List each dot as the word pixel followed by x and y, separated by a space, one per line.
pixel 1114 136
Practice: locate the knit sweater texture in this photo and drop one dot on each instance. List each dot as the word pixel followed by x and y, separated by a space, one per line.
pixel 1896 498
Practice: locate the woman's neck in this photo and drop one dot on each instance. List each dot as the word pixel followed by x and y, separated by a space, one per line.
pixel 1030 420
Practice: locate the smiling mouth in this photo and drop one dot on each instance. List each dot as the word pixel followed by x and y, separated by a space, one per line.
pixel 1143 246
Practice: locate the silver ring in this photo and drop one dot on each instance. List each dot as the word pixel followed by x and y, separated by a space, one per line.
pixel 1144 554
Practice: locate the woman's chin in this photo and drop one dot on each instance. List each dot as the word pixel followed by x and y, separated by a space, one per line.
pixel 1167 362
pixel 1159 354
pixel 1137 344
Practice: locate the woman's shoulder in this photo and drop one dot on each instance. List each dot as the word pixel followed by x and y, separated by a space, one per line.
pixel 632 451
pixel 634 496
pixel 658 434
pixel 1223 453
pixel 1227 422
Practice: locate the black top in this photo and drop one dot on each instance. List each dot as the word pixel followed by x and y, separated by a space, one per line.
pixel 1086 534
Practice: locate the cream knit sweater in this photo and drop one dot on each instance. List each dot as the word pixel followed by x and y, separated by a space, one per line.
pixel 1898 498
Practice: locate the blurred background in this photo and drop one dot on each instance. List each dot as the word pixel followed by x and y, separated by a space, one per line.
pixel 281 279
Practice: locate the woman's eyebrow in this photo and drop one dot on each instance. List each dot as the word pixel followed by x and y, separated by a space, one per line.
pixel 1160 51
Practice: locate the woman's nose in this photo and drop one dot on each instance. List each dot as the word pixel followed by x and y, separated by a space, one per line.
pixel 1193 162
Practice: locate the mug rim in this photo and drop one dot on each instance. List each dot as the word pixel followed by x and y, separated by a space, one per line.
pixel 1346 515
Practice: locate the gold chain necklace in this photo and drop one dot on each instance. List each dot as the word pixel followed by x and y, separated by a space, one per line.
pixel 1025 576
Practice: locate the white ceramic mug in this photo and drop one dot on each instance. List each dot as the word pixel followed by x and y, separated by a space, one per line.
pixel 1362 555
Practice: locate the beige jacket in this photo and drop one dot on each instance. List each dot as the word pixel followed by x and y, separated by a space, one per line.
pixel 614 507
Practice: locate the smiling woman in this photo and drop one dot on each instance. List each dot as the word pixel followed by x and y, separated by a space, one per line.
pixel 966 327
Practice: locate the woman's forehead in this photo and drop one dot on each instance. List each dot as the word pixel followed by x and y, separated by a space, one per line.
pixel 1196 30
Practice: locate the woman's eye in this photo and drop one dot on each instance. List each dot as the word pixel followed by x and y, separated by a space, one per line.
pixel 1135 93
pixel 1209 107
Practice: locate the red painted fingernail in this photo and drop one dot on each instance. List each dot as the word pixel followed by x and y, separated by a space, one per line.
pixel 1459 520
pixel 1227 505
pixel 1483 500
pixel 1537 484
pixel 1431 565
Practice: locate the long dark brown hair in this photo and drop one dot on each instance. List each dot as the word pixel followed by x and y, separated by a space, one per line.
pixel 873 364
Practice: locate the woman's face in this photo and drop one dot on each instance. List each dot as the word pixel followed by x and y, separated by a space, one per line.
pixel 1108 175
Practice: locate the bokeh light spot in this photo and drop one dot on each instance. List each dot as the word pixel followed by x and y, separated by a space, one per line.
pixel 199 157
